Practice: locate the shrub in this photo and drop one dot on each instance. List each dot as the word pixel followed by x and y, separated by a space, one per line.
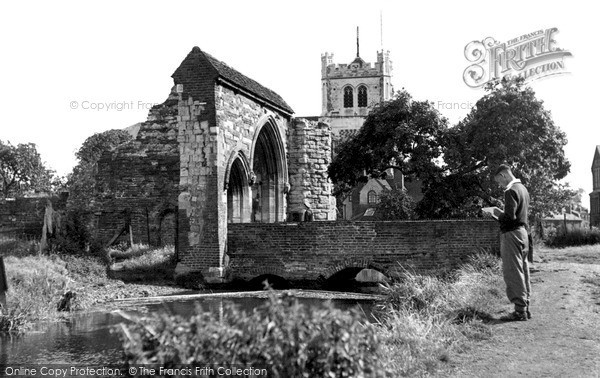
pixel 284 336
pixel 573 238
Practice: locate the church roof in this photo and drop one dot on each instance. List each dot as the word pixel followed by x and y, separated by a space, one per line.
pixel 596 160
pixel 358 60
pixel 236 78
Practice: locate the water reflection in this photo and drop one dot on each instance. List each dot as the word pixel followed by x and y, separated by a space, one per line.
pixel 87 339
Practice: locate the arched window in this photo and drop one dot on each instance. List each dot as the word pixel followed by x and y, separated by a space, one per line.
pixel 372 197
pixel 362 96
pixel 348 97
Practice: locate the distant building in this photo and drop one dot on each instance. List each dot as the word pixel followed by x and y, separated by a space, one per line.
pixel 349 93
pixel 595 194
pixel 569 220
pixel 361 203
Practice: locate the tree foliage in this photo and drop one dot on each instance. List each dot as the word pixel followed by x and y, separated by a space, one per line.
pixel 507 125
pixel 401 133
pixel 81 182
pixel 395 204
pixel 22 170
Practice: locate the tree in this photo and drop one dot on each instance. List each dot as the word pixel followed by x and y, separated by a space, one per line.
pixel 400 133
pixel 81 182
pixel 395 204
pixel 22 170
pixel 508 125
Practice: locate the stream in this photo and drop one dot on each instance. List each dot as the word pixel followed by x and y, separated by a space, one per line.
pixel 90 338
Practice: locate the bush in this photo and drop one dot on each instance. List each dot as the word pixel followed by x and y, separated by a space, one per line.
pixel 75 236
pixel 396 204
pixel 283 336
pixel 574 238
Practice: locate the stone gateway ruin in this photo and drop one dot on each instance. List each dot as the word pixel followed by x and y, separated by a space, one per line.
pixel 221 149
pixel 223 171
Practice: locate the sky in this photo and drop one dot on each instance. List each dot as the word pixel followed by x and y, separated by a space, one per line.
pixel 61 61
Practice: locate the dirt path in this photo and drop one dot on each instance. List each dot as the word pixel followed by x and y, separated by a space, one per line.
pixel 562 339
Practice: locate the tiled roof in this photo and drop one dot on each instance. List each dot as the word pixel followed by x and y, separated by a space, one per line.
pixel 237 78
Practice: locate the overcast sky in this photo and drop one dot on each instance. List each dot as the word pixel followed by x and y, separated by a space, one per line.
pixel 59 57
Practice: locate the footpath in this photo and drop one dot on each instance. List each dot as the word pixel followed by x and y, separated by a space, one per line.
pixel 563 337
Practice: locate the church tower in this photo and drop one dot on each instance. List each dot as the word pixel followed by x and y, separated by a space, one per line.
pixel 350 91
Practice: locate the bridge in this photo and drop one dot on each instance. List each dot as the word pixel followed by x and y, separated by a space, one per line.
pixel 329 250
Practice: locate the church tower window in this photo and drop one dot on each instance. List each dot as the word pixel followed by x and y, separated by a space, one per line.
pixel 348 97
pixel 362 96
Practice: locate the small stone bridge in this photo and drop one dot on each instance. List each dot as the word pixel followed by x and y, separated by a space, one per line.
pixel 318 251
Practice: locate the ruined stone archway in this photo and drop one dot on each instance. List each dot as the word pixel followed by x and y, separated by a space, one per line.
pixel 238 191
pixel 269 175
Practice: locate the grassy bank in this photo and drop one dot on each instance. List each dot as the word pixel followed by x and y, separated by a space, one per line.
pixel 38 282
pixel 421 323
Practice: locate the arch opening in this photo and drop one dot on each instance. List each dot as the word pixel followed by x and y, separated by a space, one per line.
pixel 274 281
pixel 238 193
pixel 358 279
pixel 167 229
pixel 268 166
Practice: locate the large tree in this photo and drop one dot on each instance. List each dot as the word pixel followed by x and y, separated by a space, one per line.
pixel 507 125
pixel 22 170
pixel 402 133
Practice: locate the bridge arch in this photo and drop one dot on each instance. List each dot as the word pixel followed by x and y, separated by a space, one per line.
pixel 357 265
pixel 275 281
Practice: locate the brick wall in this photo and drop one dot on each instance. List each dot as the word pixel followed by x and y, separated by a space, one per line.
pixel 25 216
pixel 317 250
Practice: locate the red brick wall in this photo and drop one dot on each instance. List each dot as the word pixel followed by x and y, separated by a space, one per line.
pixel 317 250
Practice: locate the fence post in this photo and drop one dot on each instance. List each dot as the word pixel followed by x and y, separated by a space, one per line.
pixel 3 283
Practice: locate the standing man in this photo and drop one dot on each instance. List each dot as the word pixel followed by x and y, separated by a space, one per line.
pixel 514 243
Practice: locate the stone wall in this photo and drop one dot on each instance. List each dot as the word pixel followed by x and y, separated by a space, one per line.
pixel 138 181
pixel 25 216
pixel 335 77
pixel 317 250
pixel 309 157
pixel 208 148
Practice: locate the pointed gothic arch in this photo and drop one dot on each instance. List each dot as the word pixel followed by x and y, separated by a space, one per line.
pixel 269 174
pixel 238 190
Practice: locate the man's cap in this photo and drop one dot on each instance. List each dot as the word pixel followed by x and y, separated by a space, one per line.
pixel 502 168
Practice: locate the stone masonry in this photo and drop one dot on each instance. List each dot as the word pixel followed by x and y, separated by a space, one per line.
pixel 309 157
pixel 137 183
pixel 221 150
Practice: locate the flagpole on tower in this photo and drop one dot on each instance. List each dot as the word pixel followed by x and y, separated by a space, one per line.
pixel 381 27
pixel 357 44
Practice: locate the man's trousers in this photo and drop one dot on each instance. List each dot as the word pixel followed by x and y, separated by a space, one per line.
pixel 514 247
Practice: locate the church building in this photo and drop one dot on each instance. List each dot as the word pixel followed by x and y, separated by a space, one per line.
pixel 349 93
